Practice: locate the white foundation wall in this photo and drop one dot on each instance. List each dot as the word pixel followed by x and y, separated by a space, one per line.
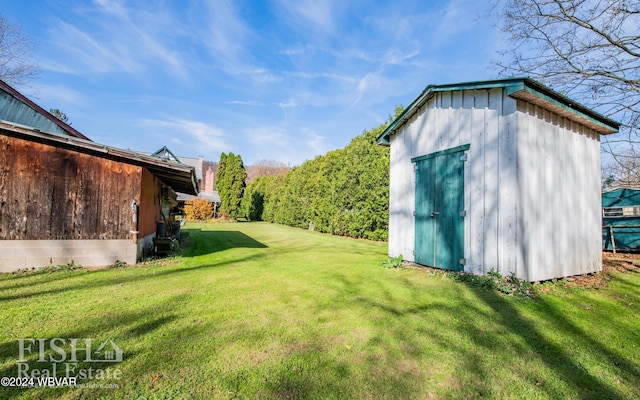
pixel 17 254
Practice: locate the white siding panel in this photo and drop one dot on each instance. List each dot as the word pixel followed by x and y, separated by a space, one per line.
pixel 493 113
pixel 507 190
pixel 456 118
pixel 466 116
pixel 476 214
pixel 401 197
pixel 524 140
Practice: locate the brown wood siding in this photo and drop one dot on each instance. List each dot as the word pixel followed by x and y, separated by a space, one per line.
pixel 149 204
pixel 52 193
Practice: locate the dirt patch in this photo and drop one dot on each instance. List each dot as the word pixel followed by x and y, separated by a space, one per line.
pixel 611 264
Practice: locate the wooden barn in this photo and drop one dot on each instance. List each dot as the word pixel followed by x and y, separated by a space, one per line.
pixel 497 175
pixel 64 197
pixel 621 219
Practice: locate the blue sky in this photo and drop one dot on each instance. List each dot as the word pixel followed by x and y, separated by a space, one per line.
pixel 279 80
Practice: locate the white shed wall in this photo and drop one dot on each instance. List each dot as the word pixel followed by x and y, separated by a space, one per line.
pixel 532 184
pixel 559 195
pixel 450 119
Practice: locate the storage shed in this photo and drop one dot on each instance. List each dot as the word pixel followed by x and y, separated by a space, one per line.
pixel 621 219
pixel 497 175
pixel 64 197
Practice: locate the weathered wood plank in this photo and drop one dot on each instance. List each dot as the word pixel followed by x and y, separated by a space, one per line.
pixel 53 193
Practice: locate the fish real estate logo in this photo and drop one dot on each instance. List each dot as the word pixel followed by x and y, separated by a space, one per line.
pixel 66 362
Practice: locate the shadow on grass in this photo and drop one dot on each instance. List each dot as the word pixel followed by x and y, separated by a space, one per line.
pixel 560 359
pixel 202 243
pixel 102 278
pixel 475 331
pixel 130 324
pixel 207 242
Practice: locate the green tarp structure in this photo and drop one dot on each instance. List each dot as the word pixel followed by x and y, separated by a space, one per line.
pixel 621 219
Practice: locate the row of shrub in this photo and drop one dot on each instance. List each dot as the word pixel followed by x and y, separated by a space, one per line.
pixel 344 192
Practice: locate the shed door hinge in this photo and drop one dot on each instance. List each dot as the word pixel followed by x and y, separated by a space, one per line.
pixel 463 261
pixel 463 213
pixel 463 157
pixel 414 252
pixel 414 213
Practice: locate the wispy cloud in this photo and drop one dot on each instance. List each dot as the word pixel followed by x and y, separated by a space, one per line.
pixel 202 136
pixel 245 102
pixel 320 13
pixel 315 141
pixel 277 79
pixel 228 39
pixel 114 38
pixel 89 54
pixel 292 103
pixel 225 30
pixel 59 96
pixel 278 143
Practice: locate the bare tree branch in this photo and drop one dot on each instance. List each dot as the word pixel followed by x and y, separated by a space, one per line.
pixel 586 49
pixel 15 66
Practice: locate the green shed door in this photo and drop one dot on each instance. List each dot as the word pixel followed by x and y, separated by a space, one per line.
pixel 439 216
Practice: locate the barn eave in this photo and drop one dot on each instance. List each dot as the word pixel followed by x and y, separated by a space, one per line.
pixel 180 177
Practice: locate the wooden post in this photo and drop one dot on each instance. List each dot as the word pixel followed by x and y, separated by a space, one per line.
pixel 134 221
pixel 613 240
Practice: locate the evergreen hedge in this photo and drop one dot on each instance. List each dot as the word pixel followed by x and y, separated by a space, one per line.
pixel 344 192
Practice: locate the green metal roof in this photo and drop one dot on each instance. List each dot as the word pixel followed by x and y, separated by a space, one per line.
pixel 519 88
pixel 18 109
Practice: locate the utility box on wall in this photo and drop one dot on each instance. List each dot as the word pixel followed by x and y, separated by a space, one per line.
pixel 497 175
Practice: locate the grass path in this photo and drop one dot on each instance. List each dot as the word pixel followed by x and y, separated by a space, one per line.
pixel 255 310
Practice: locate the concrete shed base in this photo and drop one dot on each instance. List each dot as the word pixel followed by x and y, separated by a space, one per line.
pixel 17 254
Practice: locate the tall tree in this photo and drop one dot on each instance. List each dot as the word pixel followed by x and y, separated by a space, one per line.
pixel 238 184
pixel 15 66
pixel 230 182
pixel 587 49
pixel 222 184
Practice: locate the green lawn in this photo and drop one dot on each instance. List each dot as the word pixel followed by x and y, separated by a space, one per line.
pixel 255 310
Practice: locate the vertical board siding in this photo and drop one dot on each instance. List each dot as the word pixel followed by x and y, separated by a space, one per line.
pixel 531 180
pixel 58 194
pixel 149 204
pixel 558 175
pixel 476 215
pixel 397 208
pixel 507 190
pixel 492 116
pixel 466 126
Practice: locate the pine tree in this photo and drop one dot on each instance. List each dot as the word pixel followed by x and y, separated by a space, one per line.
pixel 237 185
pixel 222 183
pixel 231 178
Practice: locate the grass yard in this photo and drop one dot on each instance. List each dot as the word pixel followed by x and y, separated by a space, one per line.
pixel 255 310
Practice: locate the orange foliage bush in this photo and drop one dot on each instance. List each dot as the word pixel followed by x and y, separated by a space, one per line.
pixel 198 209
